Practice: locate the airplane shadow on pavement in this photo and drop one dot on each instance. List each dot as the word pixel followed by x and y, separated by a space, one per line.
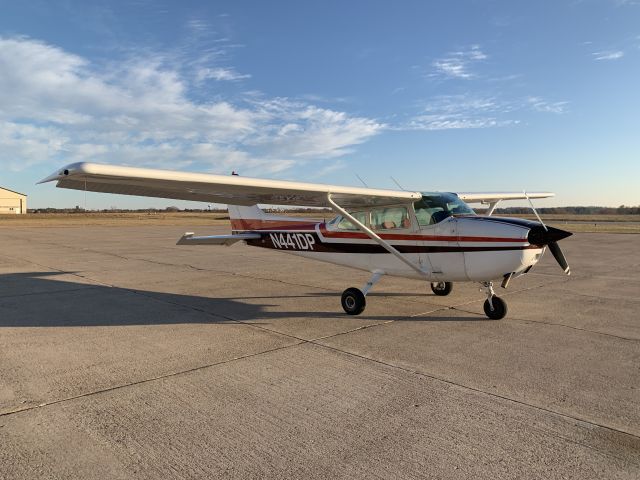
pixel 43 299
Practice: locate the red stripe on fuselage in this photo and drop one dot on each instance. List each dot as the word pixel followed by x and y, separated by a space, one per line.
pixel 425 238
pixel 418 237
pixel 255 224
pixel 284 225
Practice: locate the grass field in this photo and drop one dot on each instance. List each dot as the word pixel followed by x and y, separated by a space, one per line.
pixel 573 223
pixel 114 219
pixel 592 223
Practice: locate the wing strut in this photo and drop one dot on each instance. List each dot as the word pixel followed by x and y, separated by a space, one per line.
pixel 373 236
pixel 492 207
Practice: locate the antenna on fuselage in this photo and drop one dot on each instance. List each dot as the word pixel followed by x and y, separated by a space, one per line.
pixel 396 182
pixel 363 182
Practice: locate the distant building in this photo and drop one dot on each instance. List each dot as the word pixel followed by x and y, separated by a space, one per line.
pixel 12 202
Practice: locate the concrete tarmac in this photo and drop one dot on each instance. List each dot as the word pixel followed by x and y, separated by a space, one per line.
pixel 125 356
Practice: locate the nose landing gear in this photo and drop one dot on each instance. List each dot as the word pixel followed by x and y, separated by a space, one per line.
pixel 494 307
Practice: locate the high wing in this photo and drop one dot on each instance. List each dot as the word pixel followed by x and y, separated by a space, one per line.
pixel 494 197
pixel 226 189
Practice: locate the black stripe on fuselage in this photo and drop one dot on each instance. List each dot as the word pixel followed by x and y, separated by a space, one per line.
pixel 521 222
pixel 291 244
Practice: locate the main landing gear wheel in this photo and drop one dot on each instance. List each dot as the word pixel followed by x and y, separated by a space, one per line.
pixel 495 308
pixel 441 288
pixel 353 301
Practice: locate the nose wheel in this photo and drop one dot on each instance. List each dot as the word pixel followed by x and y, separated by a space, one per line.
pixel 494 307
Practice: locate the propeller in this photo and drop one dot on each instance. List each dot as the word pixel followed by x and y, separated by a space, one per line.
pixel 559 256
pixel 549 236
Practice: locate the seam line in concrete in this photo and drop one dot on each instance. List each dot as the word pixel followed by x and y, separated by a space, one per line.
pixel 168 264
pixel 562 325
pixel 477 390
pixel 146 380
pixel 50 292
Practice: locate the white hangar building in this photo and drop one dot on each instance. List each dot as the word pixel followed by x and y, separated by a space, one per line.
pixel 12 202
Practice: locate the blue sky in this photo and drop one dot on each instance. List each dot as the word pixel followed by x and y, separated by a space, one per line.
pixel 450 95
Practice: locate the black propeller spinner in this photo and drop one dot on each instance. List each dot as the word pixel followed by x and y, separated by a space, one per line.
pixel 543 235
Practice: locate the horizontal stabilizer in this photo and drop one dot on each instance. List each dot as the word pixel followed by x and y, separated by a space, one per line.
pixel 190 239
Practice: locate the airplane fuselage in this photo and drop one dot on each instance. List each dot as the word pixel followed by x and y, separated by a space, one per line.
pixel 465 248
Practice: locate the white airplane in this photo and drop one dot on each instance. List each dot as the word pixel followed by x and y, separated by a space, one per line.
pixel 432 236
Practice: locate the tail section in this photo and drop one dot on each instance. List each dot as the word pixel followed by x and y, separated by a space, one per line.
pixel 248 219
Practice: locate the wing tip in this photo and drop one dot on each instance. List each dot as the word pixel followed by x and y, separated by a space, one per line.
pixel 70 169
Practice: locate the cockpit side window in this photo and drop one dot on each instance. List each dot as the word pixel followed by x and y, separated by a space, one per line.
pixel 435 207
pixel 390 218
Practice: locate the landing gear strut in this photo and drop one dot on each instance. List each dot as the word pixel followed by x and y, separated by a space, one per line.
pixel 494 307
pixel 441 288
pixel 353 299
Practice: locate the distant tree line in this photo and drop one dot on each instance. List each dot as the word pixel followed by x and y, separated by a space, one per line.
pixel 621 210
pixel 171 209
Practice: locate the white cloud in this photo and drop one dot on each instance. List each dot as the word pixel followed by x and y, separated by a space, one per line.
pixel 467 111
pixel 540 105
pixel 310 131
pixel 460 112
pixel 25 145
pixel 197 25
pixel 608 55
pixel 59 107
pixel 456 64
pixel 475 53
pixel 220 74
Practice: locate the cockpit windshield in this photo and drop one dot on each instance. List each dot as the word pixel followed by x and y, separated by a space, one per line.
pixel 435 207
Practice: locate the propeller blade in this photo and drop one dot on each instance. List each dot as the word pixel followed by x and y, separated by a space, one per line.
pixel 548 236
pixel 559 256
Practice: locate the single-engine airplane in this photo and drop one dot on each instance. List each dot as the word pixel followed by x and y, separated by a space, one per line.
pixel 432 236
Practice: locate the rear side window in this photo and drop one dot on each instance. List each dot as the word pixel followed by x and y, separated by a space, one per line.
pixel 345 223
pixel 390 218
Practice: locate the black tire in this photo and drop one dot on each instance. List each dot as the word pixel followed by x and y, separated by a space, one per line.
pixel 441 288
pixel 499 308
pixel 353 301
